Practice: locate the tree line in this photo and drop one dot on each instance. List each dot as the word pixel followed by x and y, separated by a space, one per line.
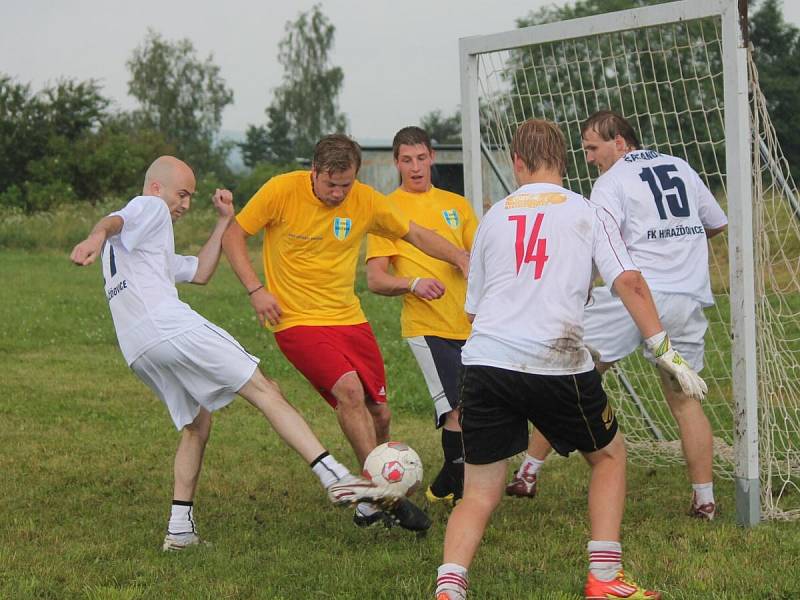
pixel 65 143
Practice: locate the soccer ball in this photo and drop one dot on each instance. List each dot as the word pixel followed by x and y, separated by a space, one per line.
pixel 395 464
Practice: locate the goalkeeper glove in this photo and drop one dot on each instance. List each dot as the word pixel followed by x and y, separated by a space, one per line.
pixel 673 364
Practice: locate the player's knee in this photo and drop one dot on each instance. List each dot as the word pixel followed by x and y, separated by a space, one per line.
pixel 481 499
pixel 199 429
pixel 349 392
pixel 264 384
pixel 382 417
pixel 614 451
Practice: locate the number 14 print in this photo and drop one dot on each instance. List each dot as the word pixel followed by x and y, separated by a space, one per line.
pixel 536 249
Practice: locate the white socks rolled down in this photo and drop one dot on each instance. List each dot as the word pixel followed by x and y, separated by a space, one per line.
pixel 451 579
pixel 530 465
pixel 181 519
pixel 605 559
pixel 703 493
pixel 328 469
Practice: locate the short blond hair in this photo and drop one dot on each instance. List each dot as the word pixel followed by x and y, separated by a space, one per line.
pixel 540 144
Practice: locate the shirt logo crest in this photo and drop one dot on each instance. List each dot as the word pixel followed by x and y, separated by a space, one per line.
pixel 341 227
pixel 451 217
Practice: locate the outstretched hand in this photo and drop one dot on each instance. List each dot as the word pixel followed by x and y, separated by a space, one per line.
pixel 223 203
pixel 87 251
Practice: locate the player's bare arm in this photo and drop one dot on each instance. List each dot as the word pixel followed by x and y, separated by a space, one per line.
pixel 710 233
pixel 265 305
pixel 381 281
pixel 432 244
pixel 634 292
pixel 208 257
pixel 86 252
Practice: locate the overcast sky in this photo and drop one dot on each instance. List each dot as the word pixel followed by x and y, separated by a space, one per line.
pixel 400 59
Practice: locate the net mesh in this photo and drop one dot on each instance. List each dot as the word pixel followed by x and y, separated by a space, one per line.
pixel 667 80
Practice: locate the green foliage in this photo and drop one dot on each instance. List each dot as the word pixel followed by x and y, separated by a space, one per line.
pixel 255 148
pixel 63 146
pixel 777 55
pixel 181 96
pixel 305 105
pixel 441 129
pixel 581 8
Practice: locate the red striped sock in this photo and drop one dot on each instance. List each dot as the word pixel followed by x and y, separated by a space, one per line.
pixel 605 559
pixel 452 579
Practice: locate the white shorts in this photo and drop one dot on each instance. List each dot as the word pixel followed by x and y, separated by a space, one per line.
pixel 204 367
pixel 439 359
pixel 609 328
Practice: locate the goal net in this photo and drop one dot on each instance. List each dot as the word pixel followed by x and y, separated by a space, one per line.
pixel 664 68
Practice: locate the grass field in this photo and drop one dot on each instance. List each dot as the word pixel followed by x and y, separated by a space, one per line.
pixel 86 480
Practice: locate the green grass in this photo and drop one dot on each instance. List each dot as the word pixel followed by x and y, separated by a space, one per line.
pixel 86 481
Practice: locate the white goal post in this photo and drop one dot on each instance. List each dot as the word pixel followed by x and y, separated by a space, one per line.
pixel 681 72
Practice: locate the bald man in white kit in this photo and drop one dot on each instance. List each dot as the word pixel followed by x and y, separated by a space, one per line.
pixel 194 366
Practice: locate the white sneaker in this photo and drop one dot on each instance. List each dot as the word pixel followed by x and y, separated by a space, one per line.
pixel 351 490
pixel 179 541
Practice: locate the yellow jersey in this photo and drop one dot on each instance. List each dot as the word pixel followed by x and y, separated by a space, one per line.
pixel 452 217
pixel 311 250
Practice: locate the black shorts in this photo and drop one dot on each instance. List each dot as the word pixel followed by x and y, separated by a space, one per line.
pixel 572 412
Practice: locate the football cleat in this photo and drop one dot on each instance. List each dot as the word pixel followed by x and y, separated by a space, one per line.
pixel 705 512
pixel 179 541
pixel 450 596
pixel 619 587
pixel 448 499
pixel 351 490
pixel 448 487
pixel 375 518
pixel 409 516
pixel 522 485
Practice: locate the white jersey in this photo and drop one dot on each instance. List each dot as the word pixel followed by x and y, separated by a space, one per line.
pixel 530 276
pixel 663 209
pixel 140 270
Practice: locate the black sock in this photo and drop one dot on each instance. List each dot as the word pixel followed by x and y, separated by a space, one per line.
pixel 451 477
pixel 452 447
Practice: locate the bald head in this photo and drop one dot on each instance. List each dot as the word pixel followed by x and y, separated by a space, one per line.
pixel 165 170
pixel 173 181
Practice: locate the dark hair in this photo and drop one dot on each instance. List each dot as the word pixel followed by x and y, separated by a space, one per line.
pixel 335 153
pixel 608 125
pixel 540 144
pixel 410 136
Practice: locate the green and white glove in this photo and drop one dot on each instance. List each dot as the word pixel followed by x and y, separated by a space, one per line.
pixel 673 364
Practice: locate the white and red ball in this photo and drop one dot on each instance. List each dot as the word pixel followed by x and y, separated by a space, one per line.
pixel 395 464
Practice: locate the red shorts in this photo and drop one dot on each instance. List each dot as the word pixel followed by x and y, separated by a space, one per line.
pixel 323 353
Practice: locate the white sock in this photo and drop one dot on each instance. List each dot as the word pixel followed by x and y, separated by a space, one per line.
pixel 452 578
pixel 605 559
pixel 530 465
pixel 181 519
pixel 328 469
pixel 366 509
pixel 703 493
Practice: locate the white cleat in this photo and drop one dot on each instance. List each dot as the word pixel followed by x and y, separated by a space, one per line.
pixel 352 490
pixel 180 541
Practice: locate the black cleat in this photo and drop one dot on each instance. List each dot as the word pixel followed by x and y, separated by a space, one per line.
pixel 375 518
pixel 409 516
